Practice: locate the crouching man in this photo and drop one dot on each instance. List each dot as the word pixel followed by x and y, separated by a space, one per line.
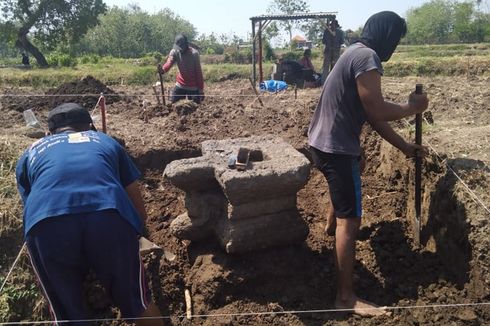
pixel 83 210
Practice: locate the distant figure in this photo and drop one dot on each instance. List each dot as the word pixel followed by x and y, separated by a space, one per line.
pixel 305 61
pixel 25 59
pixel 289 71
pixel 312 79
pixel 333 38
pixel 190 81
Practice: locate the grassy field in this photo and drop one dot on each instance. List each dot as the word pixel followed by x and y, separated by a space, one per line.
pixel 448 60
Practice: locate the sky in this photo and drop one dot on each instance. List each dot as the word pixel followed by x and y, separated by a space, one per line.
pixel 233 16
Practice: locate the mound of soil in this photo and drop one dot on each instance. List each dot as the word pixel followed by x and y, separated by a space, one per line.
pixel 85 91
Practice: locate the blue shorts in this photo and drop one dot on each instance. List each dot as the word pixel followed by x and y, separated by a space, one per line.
pixel 64 248
pixel 344 181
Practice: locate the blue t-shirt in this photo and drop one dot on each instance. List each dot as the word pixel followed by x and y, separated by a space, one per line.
pixel 339 116
pixel 71 173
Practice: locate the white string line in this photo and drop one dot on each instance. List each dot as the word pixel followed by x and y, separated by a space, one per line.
pixel 134 95
pixel 13 265
pixel 473 196
pixel 265 313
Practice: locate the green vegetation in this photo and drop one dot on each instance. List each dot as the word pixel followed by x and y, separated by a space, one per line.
pixel 442 21
pixel 10 215
pixel 59 33
pixel 57 24
pixel 459 59
pixel 20 291
pixel 131 33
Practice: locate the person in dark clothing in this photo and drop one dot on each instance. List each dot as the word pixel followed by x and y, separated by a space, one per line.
pixel 333 38
pixel 25 59
pixel 351 96
pixel 291 71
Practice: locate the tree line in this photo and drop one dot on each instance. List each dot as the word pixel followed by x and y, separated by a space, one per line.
pixel 79 27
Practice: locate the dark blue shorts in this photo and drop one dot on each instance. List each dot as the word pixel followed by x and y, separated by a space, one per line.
pixel 63 249
pixel 344 181
pixel 181 93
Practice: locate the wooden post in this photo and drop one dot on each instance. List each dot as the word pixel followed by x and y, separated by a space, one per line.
pixel 261 70
pixel 254 73
pixel 255 91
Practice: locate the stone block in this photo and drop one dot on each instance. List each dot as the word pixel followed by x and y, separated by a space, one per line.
pixel 262 207
pixel 251 234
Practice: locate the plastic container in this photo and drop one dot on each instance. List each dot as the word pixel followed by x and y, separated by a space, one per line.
pixel 30 119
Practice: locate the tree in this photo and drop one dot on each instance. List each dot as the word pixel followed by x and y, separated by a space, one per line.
pixel 288 7
pixel 7 30
pixel 440 21
pixel 132 32
pixel 429 23
pixel 53 21
pixel 314 31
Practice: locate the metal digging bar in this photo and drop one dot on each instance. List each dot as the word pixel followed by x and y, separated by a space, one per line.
pixel 161 88
pixel 418 171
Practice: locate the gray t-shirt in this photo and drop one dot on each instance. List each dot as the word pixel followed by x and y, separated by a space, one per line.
pixel 339 116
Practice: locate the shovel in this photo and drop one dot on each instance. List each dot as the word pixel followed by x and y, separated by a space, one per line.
pixel 147 247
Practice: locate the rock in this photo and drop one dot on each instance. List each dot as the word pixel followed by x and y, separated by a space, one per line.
pixel 185 107
pixel 31 132
pixel 194 229
pixel 467 315
pixel 245 209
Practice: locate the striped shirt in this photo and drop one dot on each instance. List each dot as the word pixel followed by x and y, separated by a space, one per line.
pixel 190 72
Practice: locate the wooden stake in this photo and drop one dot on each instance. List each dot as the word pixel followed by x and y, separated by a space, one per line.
pixel 255 91
pixel 161 87
pixel 188 303
pixel 156 94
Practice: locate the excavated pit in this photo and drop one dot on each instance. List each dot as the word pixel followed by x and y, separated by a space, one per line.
pixel 392 271
pixel 451 267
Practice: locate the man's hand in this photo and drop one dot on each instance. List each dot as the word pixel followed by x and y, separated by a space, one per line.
pixel 160 69
pixel 418 102
pixel 412 150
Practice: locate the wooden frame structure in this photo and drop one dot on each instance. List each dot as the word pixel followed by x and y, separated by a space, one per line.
pixel 265 20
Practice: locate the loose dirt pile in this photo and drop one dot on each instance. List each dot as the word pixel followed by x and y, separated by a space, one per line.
pixel 85 91
pixel 452 267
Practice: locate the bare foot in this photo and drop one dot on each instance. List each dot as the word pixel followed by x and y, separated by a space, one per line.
pixel 331 223
pixel 362 307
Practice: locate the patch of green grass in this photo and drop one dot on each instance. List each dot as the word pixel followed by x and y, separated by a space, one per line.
pixel 416 60
pixel 20 297
pixel 11 214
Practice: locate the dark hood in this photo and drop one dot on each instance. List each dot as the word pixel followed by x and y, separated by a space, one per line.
pixel 382 33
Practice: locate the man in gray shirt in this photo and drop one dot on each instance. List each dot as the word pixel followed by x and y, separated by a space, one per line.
pixel 350 97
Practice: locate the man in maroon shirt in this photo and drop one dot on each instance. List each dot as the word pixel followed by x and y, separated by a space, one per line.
pixel 189 82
